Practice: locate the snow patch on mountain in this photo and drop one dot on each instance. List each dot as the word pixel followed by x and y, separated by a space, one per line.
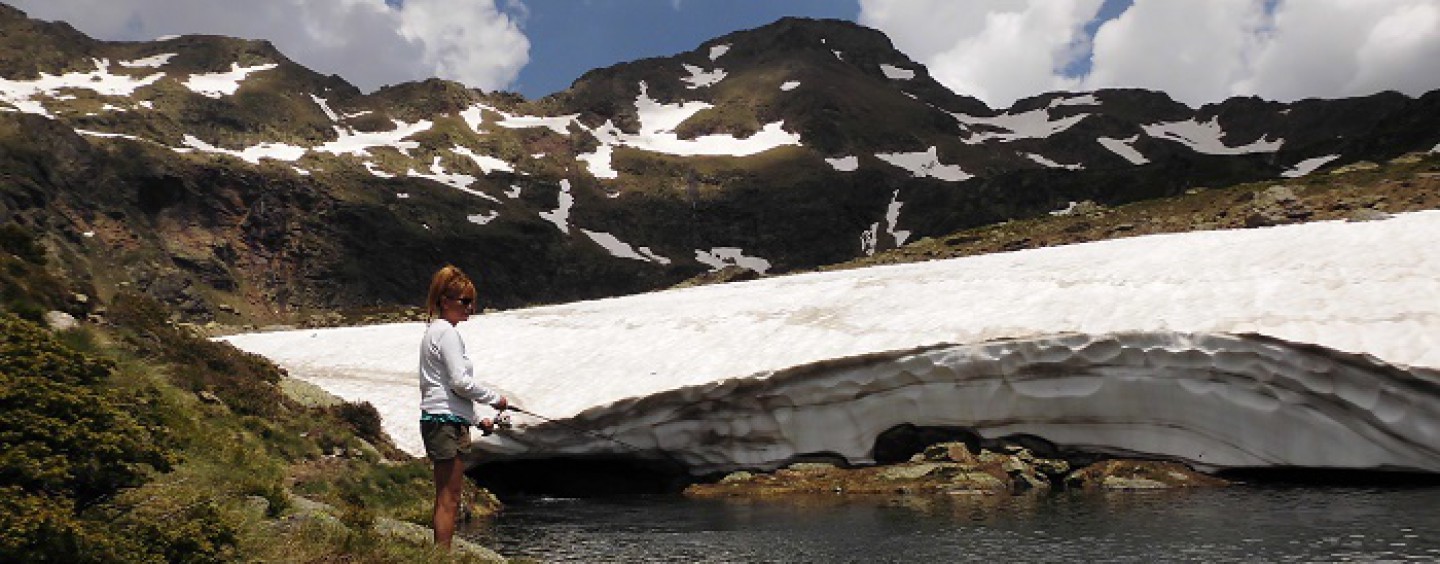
pixel 1070 208
pixel 598 162
pixel 154 62
pixel 844 164
pixel 252 155
pixel 893 72
pixel 1042 161
pixel 560 216
pixel 720 257
pixel 1082 100
pixel 220 84
pixel 358 143
pixel 104 135
pixel 892 219
pixel 1034 124
pixel 483 218
pixel 657 118
pixel 701 78
pixel 487 163
pixel 23 94
pixel 1125 148
pixel 657 134
pixel 1308 166
pixel 376 171
pixel 1207 137
pixel 325 107
pixel 474 117
pixel 926 163
pixel 870 238
pixel 621 249
pixel 789 85
pixel 718 51
pixel 458 181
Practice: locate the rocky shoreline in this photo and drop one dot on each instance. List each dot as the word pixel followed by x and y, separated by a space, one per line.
pixel 952 469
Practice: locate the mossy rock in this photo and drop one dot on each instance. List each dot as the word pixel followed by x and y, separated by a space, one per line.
pixel 1139 475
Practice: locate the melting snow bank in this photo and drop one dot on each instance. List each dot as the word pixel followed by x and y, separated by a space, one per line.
pixel 1366 287
pixel 1214 401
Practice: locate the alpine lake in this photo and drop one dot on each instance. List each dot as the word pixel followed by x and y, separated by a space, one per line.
pixel 1240 523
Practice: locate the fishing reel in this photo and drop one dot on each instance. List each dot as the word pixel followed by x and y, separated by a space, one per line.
pixel 488 426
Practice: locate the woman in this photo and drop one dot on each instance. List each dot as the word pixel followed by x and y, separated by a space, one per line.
pixel 447 390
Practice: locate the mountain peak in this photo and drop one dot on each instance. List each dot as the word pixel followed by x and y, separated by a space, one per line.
pixel 792 145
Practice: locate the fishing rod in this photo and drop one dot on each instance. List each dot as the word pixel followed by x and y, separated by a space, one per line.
pixel 502 421
pixel 676 470
pixel 575 429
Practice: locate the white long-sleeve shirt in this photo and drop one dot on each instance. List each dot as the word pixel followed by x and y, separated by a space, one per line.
pixel 447 377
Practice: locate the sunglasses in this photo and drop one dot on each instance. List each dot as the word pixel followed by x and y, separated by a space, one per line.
pixel 464 301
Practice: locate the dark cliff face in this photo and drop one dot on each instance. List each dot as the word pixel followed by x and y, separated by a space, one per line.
pixel 332 198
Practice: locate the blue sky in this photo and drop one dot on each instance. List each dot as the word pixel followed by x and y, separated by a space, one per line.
pixel 570 37
pixel 996 50
pixel 576 36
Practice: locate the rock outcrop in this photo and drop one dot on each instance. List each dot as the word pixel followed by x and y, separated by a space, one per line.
pixel 950 469
pixel 1138 475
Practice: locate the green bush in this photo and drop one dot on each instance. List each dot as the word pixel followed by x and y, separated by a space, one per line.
pixel 36 526
pixel 171 522
pixel 61 431
pixel 68 445
pixel 26 288
pixel 18 241
pixel 362 418
pixel 114 458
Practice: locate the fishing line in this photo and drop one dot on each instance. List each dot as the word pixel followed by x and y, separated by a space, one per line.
pixel 575 429
pixel 503 422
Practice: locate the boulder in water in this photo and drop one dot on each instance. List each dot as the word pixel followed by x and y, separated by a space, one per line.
pixel 1139 475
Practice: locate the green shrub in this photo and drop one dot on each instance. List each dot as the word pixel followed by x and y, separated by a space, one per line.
pixel 35 525
pixel 173 521
pixel 18 241
pixel 68 445
pixel 362 418
pixel 61 431
pixel 26 288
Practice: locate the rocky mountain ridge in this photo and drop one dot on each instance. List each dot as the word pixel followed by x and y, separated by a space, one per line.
pixel 218 175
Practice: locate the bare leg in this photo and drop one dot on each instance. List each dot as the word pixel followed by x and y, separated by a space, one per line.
pixel 449 481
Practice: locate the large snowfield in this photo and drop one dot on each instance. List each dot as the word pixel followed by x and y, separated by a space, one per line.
pixel 1128 345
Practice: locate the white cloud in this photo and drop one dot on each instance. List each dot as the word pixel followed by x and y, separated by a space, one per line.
pixel 1348 47
pixel 995 50
pixel 1198 52
pixel 1194 51
pixel 465 40
pixel 364 41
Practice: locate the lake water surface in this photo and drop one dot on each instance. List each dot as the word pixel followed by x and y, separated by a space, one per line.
pixel 1237 524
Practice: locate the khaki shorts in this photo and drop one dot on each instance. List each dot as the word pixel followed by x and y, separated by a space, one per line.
pixel 444 441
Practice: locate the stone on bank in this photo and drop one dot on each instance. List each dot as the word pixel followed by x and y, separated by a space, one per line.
pixel 950 468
